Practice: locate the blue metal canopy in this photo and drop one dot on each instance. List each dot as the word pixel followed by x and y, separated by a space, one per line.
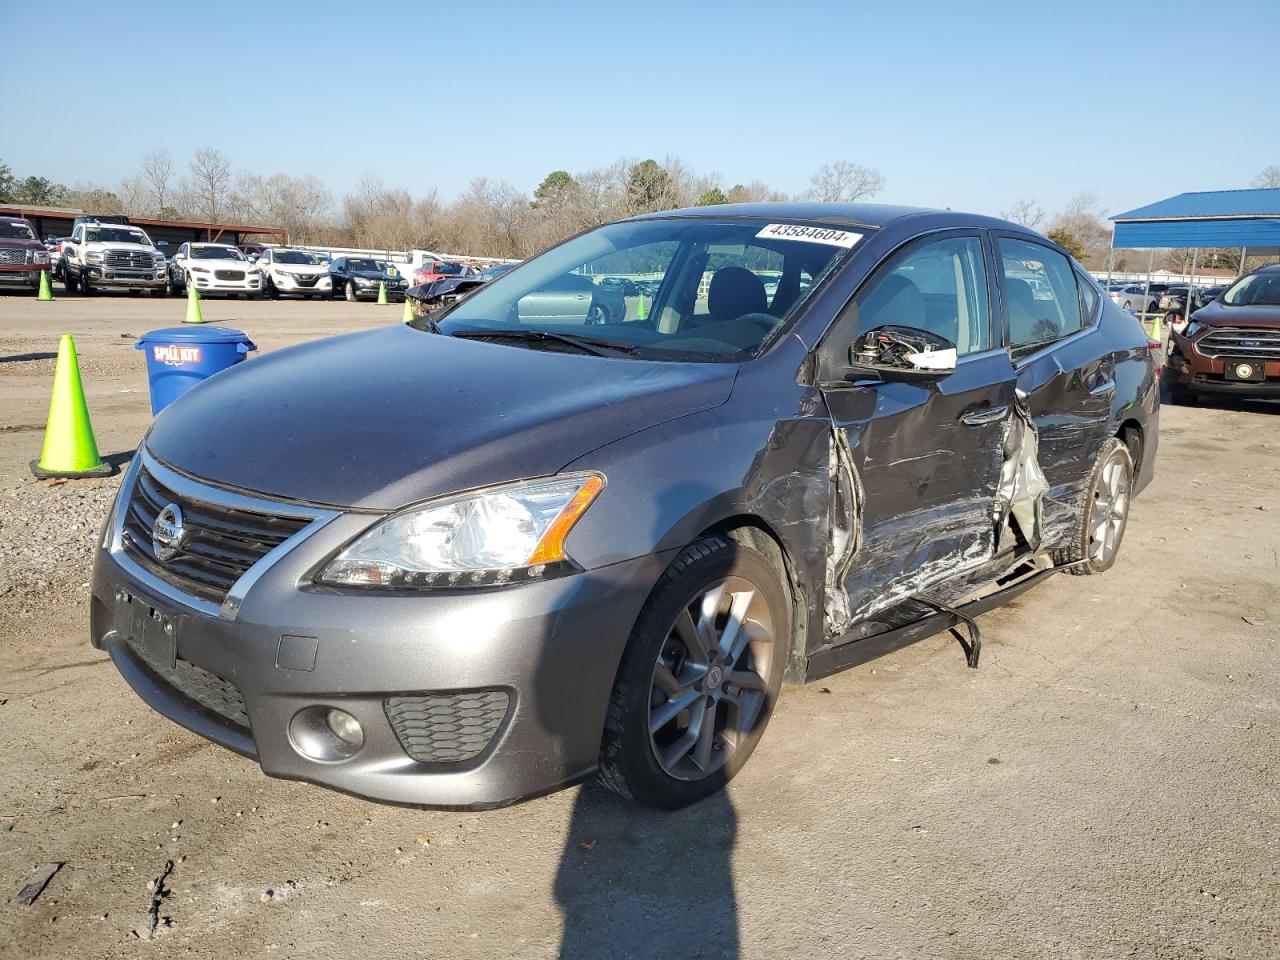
pixel 1217 218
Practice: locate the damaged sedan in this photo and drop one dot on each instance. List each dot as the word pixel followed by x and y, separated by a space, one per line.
pixel 495 551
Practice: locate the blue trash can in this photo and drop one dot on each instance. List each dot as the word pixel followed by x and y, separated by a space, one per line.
pixel 180 357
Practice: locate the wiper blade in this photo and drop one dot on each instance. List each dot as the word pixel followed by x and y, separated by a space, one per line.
pixel 593 345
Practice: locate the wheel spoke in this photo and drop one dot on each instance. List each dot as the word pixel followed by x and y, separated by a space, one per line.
pixel 1097 526
pixel 734 638
pixel 706 738
pixel 667 682
pixel 745 680
pixel 688 633
pixel 661 715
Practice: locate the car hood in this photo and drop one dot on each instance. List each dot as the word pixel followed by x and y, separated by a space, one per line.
pixel 306 269
pixel 382 419
pixel 218 264
pixel 118 245
pixel 1220 314
pixel 11 243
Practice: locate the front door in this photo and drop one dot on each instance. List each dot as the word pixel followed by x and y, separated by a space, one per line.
pixel 927 456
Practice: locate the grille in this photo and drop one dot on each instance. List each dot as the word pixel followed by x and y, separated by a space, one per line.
pixel 207 689
pixel 13 256
pixel 128 260
pixel 303 280
pixel 446 727
pixel 1235 342
pixel 229 274
pixel 220 545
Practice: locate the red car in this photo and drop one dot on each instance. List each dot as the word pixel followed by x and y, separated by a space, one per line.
pixel 22 256
pixel 433 270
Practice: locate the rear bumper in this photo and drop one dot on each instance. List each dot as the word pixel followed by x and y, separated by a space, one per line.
pixel 552 648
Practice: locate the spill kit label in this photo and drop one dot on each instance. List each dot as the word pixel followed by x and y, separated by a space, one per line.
pixel 175 355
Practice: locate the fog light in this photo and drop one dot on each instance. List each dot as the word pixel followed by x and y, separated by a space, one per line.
pixel 345 727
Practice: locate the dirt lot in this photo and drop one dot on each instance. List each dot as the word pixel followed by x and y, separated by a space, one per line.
pixel 1104 786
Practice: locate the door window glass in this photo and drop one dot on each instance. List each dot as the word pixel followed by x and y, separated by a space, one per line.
pixel 940 287
pixel 1041 300
pixel 1089 296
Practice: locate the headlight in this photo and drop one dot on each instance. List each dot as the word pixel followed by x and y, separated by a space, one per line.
pixel 93 257
pixel 41 256
pixel 199 270
pixel 504 535
pixel 1191 329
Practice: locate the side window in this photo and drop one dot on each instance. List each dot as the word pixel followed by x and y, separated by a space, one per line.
pixel 1040 295
pixel 940 287
pixel 1090 297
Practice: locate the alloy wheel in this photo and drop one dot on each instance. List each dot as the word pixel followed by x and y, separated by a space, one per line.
pixel 711 679
pixel 1109 508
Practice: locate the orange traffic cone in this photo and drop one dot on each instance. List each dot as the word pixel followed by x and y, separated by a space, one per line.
pixel 69 448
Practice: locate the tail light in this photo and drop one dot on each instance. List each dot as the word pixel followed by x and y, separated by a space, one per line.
pixel 1154 347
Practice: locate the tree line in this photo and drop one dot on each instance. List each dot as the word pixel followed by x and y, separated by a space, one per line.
pixel 494 218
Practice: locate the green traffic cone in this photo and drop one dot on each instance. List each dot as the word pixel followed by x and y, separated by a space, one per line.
pixel 382 293
pixel 69 448
pixel 193 305
pixel 406 315
pixel 46 292
pixel 640 314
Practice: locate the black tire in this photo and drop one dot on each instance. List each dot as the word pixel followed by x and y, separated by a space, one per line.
pixel 86 289
pixel 1081 551
pixel 272 290
pixel 629 764
pixel 70 282
pixel 597 315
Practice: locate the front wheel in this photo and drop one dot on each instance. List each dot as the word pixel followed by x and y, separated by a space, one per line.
pixel 350 292
pixel 699 677
pixel 1104 514
pixel 70 282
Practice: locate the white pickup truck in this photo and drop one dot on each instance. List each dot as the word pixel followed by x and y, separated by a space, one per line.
pixel 112 255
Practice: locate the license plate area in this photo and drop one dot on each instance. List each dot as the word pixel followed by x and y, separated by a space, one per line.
pixel 1246 371
pixel 149 630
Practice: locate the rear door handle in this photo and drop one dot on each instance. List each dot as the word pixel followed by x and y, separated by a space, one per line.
pixel 1102 387
pixel 977 418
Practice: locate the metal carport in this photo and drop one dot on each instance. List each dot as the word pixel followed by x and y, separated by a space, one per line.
pixel 1247 219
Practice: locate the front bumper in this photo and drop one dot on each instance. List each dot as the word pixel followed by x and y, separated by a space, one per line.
pixel 1193 371
pixel 101 276
pixel 551 647
pixel 370 291
pixel 287 284
pixel 208 283
pixel 20 276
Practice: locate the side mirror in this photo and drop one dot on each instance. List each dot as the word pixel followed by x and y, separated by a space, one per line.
pixel 179 255
pixel 905 354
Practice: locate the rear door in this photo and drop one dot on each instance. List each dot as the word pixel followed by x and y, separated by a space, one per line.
pixel 927 456
pixel 1061 362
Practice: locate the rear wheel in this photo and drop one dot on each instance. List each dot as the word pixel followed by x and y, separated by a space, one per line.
pixel 700 676
pixel 1105 512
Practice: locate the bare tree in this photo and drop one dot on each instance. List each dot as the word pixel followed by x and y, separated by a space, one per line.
pixel 157 174
pixel 845 181
pixel 209 183
pixel 1081 220
pixel 1025 212
pixel 1269 178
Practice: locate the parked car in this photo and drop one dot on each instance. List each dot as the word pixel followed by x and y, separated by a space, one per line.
pixel 433 270
pixel 493 271
pixel 429 297
pixel 358 278
pixel 479 556
pixel 1136 298
pixel 297 273
pixel 105 254
pixel 252 251
pixel 625 284
pixel 22 256
pixel 572 298
pixel 214 268
pixel 1232 345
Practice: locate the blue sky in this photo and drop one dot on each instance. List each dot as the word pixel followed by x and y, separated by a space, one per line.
pixel 969 105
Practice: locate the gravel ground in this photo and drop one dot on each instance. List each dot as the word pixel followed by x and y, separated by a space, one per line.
pixel 1104 786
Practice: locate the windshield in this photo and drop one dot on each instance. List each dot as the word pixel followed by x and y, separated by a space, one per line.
pixel 701 289
pixel 115 235
pixel 446 269
pixel 11 230
pixel 215 253
pixel 1258 289
pixel 295 256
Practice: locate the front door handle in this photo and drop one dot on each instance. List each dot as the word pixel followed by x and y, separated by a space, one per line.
pixel 1102 387
pixel 976 418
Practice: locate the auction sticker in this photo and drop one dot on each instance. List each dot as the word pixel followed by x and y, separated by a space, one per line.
pixel 796 231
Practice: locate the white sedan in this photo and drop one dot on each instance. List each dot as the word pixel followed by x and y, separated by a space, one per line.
pixel 1135 298
pixel 214 268
pixel 294 272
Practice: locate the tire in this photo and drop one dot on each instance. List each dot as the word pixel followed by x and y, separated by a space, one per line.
pixel 597 315
pixel 272 290
pixel 349 291
pixel 1128 305
pixel 1093 552
pixel 721 576
pixel 161 291
pixel 85 289
pixel 70 282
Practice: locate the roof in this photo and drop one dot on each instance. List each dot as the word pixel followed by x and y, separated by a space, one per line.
pixel 1209 204
pixel 853 214
pixel 69 213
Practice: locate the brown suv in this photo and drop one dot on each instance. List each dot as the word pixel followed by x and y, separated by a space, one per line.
pixel 1231 346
